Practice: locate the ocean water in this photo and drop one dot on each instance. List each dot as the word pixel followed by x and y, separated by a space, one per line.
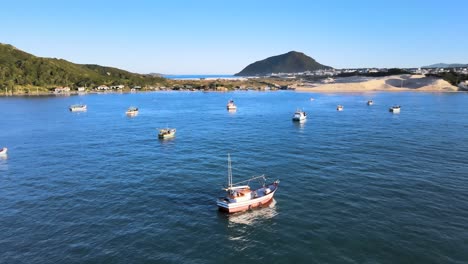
pixel 358 186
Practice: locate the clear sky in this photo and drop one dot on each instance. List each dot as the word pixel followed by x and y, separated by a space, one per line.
pixel 222 37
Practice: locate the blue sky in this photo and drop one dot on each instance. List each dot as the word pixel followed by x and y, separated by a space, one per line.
pixel 222 37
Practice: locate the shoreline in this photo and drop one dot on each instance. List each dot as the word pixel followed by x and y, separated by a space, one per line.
pixel 355 84
pixel 303 90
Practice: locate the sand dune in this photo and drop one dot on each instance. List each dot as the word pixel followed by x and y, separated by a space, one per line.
pixel 389 83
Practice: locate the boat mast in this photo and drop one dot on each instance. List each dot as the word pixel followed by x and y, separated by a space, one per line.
pixel 229 172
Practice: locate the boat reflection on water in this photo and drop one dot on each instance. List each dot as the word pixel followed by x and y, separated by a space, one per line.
pixel 300 124
pixel 3 163
pixel 167 141
pixel 267 211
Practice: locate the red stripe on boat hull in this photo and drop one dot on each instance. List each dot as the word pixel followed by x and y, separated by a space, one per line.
pixel 254 204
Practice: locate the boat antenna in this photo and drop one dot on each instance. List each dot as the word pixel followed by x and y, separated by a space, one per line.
pixel 229 172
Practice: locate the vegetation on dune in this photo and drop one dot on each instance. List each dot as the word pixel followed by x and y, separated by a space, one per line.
pixel 21 70
pixel 390 72
pixel 451 77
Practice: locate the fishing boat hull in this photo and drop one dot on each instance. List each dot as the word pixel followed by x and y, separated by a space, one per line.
pixel 166 136
pixel 3 151
pixel 241 206
pixel 166 133
pixel 394 110
pixel 298 119
pixel 299 116
pixel 132 113
pixel 231 106
pixel 78 109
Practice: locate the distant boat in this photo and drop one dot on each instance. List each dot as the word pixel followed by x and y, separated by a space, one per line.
pixel 299 116
pixel 394 109
pixel 312 99
pixel 339 108
pixel 132 111
pixel 241 198
pixel 78 108
pixel 231 106
pixel 3 151
pixel 370 102
pixel 165 133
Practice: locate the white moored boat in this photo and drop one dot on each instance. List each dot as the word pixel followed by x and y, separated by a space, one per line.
pixel 239 197
pixel 299 115
pixel 231 106
pixel 339 108
pixel 166 133
pixel 3 151
pixel 132 111
pixel 394 109
pixel 370 102
pixel 78 108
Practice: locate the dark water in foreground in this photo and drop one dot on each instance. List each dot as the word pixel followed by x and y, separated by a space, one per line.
pixel 358 186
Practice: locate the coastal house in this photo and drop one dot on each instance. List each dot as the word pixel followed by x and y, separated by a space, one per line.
pixel 102 87
pixel 117 87
pixel 62 90
pixel 81 89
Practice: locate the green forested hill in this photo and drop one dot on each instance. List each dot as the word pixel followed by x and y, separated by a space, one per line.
pixel 290 62
pixel 21 69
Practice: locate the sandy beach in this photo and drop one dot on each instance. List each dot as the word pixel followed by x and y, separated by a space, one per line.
pixel 390 83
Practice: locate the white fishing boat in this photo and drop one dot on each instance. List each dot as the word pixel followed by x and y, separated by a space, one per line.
pixel 132 111
pixel 3 151
pixel 370 102
pixel 165 133
pixel 240 197
pixel 339 108
pixel 78 108
pixel 299 116
pixel 231 106
pixel 394 109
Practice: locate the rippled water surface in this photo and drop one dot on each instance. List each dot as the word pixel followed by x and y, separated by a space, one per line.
pixel 358 186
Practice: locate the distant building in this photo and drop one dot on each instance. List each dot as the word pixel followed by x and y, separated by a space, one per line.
pixel 117 87
pixel 102 87
pixel 81 89
pixel 62 90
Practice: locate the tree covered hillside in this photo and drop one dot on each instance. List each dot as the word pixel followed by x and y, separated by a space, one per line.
pixel 290 62
pixel 20 69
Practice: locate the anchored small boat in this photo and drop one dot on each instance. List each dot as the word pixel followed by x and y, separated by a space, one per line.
pixel 165 133
pixel 240 197
pixel 339 108
pixel 231 106
pixel 3 151
pixel 370 102
pixel 394 109
pixel 132 111
pixel 78 108
pixel 299 116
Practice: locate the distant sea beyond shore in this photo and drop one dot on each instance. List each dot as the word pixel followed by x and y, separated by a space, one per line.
pixel 200 76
